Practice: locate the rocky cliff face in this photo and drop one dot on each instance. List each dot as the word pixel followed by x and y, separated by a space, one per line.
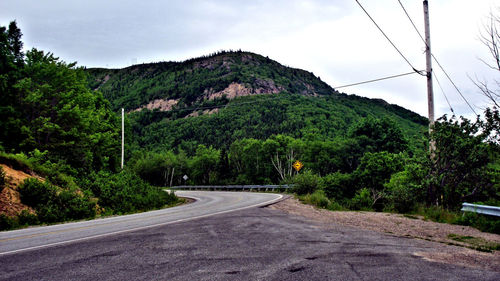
pixel 225 75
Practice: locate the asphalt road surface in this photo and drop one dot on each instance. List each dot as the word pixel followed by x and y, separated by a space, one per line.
pixel 207 203
pixel 254 243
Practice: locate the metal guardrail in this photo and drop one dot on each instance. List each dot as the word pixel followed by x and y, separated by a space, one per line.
pixel 481 209
pixel 234 187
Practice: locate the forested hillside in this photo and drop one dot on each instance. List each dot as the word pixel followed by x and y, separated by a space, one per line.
pixel 227 96
pixel 205 78
pixel 64 137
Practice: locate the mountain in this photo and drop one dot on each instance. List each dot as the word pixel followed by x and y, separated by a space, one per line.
pixel 229 74
pixel 217 99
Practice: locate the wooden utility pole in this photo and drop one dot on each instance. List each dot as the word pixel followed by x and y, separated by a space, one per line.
pixel 123 136
pixel 428 58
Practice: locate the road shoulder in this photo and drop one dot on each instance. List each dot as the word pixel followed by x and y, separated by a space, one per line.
pixel 453 248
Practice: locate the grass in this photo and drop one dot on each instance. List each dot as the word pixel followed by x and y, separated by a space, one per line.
pixel 413 217
pixel 438 214
pixel 319 199
pixel 475 243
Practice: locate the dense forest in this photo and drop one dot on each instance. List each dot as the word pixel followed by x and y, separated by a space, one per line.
pixel 190 80
pixel 55 128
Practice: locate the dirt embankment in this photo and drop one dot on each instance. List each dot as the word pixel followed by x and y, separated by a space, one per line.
pixel 458 242
pixel 10 201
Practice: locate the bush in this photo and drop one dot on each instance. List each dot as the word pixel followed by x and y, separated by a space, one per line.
pixel 153 167
pixel 401 197
pixel 7 223
pixel 338 186
pixel 405 188
pixel 53 204
pixel 26 218
pixel 23 219
pixel 125 192
pixel 481 222
pixel 335 206
pixel 35 193
pixel 362 200
pixel 317 198
pixel 306 182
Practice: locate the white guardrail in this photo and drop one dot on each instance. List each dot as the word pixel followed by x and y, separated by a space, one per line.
pixel 233 187
pixel 481 209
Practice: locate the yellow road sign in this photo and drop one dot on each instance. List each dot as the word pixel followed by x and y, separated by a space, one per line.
pixel 297 165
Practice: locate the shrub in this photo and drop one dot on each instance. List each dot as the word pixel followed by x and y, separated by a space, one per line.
pixel 481 222
pixel 26 218
pixel 335 206
pixel 306 182
pixel 35 193
pixel 53 204
pixel 405 188
pixel 7 223
pixel 362 200
pixel 401 197
pixel 125 192
pixel 376 169
pixel 338 186
pixel 317 198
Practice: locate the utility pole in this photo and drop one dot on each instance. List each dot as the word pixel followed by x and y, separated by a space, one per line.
pixel 431 190
pixel 428 58
pixel 123 136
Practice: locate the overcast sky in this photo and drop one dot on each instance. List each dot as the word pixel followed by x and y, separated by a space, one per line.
pixel 334 39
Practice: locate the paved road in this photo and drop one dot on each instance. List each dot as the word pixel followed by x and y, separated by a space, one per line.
pixel 206 204
pixel 251 244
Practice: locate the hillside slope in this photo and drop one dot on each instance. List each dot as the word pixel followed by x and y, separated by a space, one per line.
pixel 237 86
pixel 206 78
pixel 10 200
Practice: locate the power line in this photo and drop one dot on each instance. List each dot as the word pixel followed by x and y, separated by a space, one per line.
pixel 412 23
pixel 388 39
pixel 442 91
pixel 454 85
pixel 439 64
pixel 375 80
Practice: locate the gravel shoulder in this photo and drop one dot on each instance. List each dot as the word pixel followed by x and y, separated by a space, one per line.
pixel 452 250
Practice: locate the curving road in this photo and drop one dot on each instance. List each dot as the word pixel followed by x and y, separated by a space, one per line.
pixel 206 204
pixel 241 242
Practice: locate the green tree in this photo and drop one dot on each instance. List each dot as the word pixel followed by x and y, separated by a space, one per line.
pixel 460 168
pixel 306 182
pixel 408 187
pixel 11 63
pixel 63 116
pixel 376 135
pixel 375 170
pixel 203 165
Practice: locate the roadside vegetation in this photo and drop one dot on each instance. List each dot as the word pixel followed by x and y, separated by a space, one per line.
pixel 465 168
pixel 66 136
